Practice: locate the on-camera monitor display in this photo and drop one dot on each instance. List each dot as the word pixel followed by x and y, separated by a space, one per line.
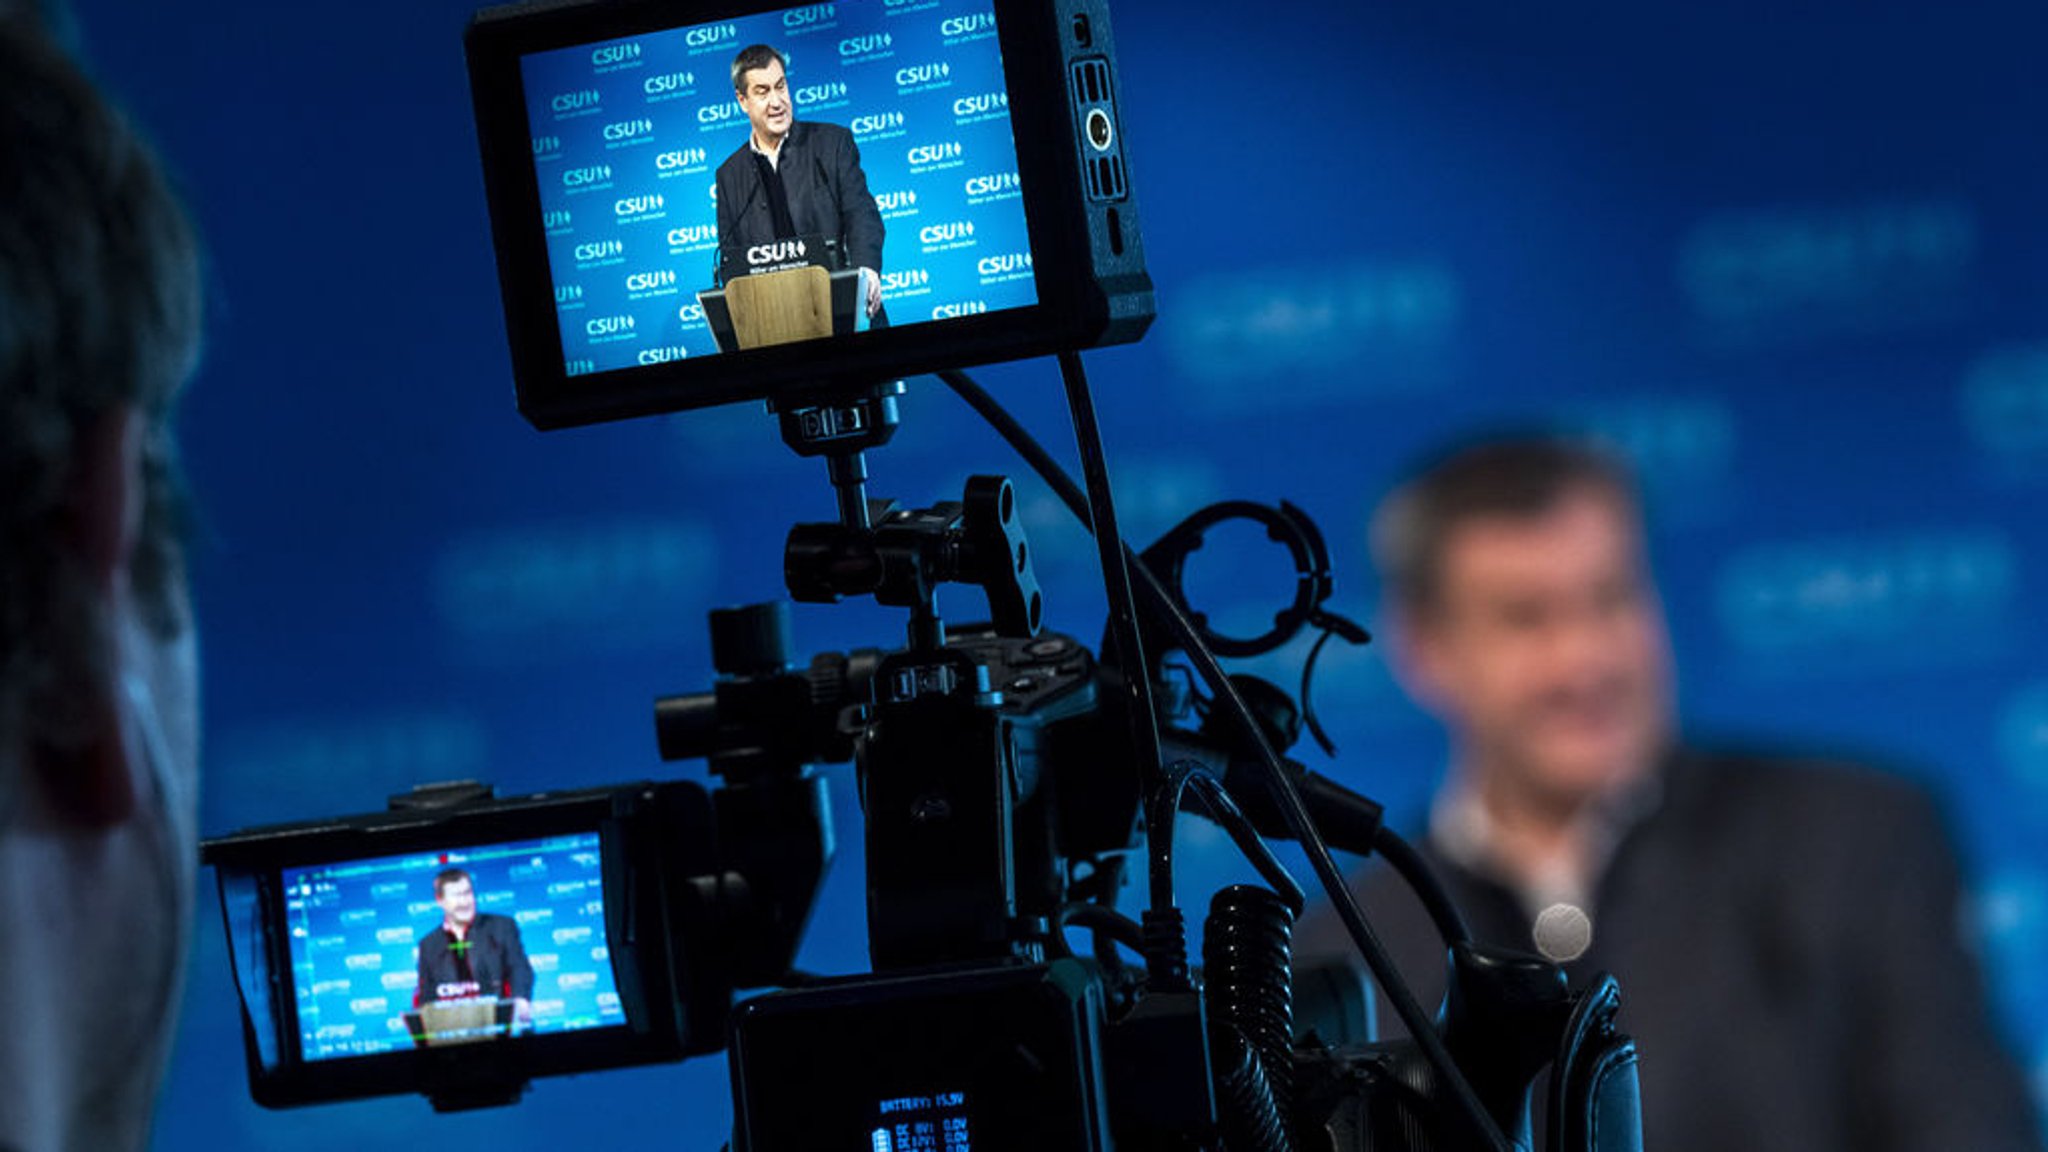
pixel 890 164
pixel 456 946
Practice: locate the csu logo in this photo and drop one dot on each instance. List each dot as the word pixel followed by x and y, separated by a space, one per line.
pixel 576 101
pixel 667 355
pixel 638 205
pixel 680 158
pixel 933 153
pixel 691 313
pixel 650 281
pixel 545 146
pixel 568 293
pixel 608 325
pixel 967 25
pixel 693 235
pixel 556 218
pixel 980 105
pixel 922 74
pixel 869 125
pixel 862 45
pixel 895 201
pixel 709 37
pixel 964 308
pixel 807 16
pixel 584 177
pixel 992 185
pixel 909 278
pixel 614 55
pixel 600 250
pixel 776 253
pixel 820 93
pixel 946 233
pixel 669 83
pixel 1003 265
pixel 628 129
pixel 718 113
pixel 1865 594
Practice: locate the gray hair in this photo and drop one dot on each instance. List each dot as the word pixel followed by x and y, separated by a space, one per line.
pixel 99 307
pixel 1519 477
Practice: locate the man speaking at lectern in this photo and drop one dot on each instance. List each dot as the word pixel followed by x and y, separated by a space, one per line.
pixel 795 179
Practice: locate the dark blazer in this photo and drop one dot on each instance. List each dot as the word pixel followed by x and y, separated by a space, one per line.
pixel 828 195
pixel 1787 941
pixel 497 961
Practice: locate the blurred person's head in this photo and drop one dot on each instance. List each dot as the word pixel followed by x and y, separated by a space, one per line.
pixel 1525 618
pixel 99 325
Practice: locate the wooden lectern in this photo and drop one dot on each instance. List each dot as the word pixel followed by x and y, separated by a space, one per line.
pixel 779 307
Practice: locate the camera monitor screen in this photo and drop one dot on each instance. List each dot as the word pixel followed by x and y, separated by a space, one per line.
pixel 888 139
pixel 729 199
pixel 448 947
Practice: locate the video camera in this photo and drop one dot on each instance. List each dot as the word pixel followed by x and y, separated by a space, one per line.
pixel 459 944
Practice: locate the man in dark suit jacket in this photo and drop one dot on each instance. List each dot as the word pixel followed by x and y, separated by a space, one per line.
pixel 472 953
pixel 1786 934
pixel 794 178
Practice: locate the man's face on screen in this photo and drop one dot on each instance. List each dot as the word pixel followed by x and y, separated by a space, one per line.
pixel 764 94
pixel 458 902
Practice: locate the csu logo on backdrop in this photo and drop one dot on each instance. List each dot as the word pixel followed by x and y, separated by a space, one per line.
pixel 1004 267
pixel 599 250
pixel 871 46
pixel 568 103
pixel 614 56
pixel 922 76
pixel 907 282
pixel 932 155
pixel 691 314
pixel 963 27
pixel 668 355
pixel 895 201
pixel 882 122
pixel 650 283
pixel 547 147
pixel 608 327
pixel 963 308
pixel 639 207
pixel 593 176
pixel 693 237
pixel 992 186
pixel 701 39
pixel 2005 408
pixel 568 294
pixel 1829 267
pixel 669 84
pixel 557 219
pixel 982 107
pixel 625 130
pixel 814 95
pixel 953 234
pixel 722 113
pixel 807 17
pixel 681 160
pixel 1914 598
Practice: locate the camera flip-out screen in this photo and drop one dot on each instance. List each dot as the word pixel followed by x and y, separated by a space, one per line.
pixel 695 203
pixel 460 951
pixel 448 947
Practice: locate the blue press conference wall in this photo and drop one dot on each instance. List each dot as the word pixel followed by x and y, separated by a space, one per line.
pixel 1794 262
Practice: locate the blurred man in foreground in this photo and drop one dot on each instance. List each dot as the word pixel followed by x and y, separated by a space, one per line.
pixel 1786 932
pixel 99 322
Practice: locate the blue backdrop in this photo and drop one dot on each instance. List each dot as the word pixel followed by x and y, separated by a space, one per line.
pixel 1792 260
